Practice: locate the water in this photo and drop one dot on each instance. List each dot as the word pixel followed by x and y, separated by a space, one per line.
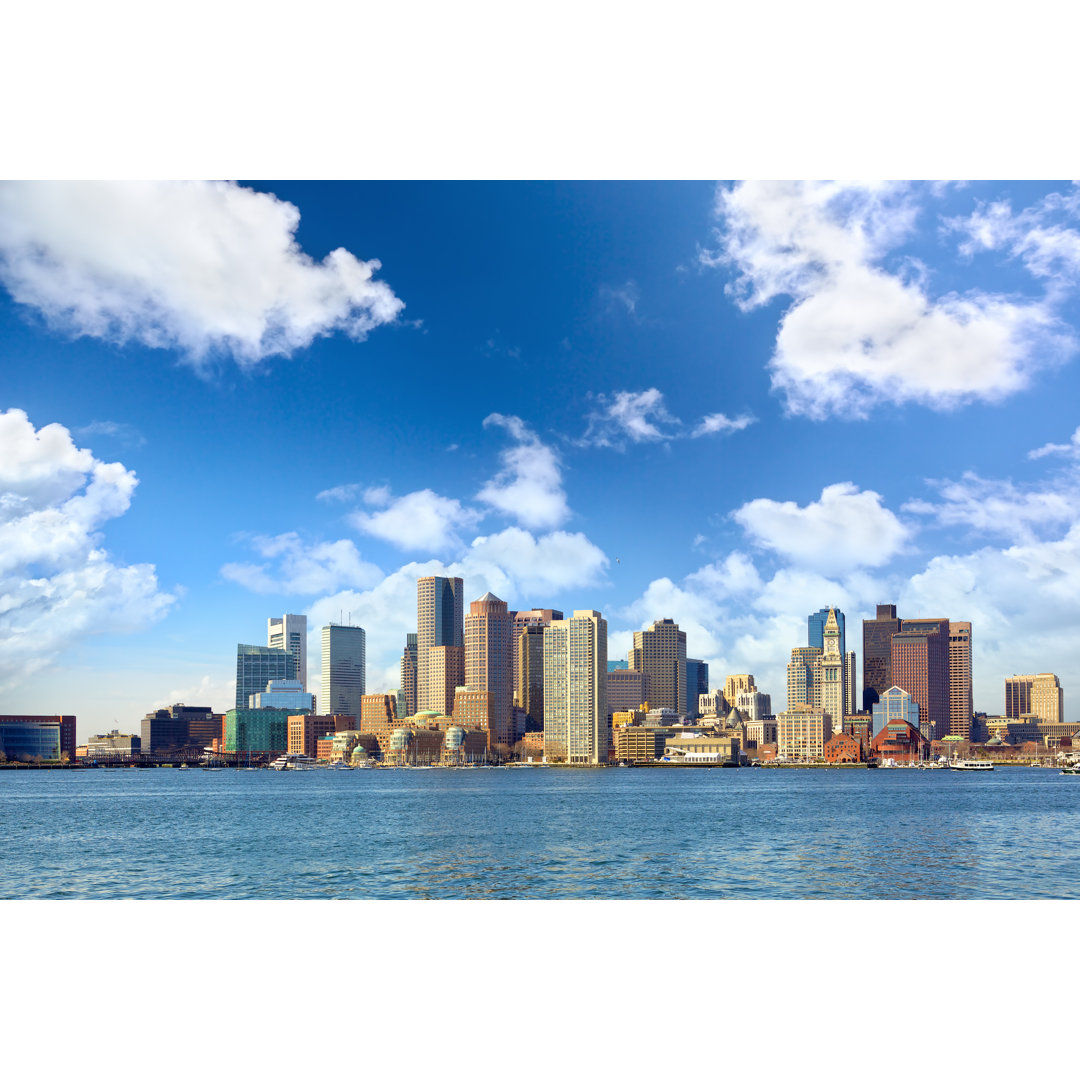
pixel 540 833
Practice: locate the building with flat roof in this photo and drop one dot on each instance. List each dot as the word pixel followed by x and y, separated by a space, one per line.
pixel 961 702
pixel 440 623
pixel 408 675
pixel 290 633
pixel 283 694
pixel 920 665
pixel 113 745
pixel 256 665
pixel 877 653
pixel 575 689
pixel 802 732
pixel 344 668
pixel 697 683
pixel 660 653
pixel 24 735
pixel 258 731
pixel 179 728
pixel 1037 695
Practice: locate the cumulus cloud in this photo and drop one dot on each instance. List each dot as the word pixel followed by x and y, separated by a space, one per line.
pixel 518 567
pixel 858 334
pixel 1069 449
pixel 845 528
pixel 529 485
pixel 1019 512
pixel 202 267
pixel 57 584
pixel 302 568
pixel 419 521
pixel 718 423
pixel 1038 235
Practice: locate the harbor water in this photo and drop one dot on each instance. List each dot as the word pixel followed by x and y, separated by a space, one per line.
pixel 540 833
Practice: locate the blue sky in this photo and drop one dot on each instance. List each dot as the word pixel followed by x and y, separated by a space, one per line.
pixel 724 404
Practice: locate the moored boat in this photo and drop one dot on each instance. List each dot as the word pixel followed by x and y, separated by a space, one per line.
pixel 971 766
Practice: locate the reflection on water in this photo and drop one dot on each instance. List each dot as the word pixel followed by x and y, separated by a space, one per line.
pixel 617 833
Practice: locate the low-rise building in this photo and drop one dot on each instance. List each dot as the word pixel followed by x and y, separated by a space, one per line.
pixel 843 749
pixel 696 748
pixel 638 745
pixel 802 732
pixel 113 745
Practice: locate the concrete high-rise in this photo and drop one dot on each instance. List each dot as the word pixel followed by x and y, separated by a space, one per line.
pixel 408 675
pixel 660 653
pixel 344 669
pixel 1035 695
pixel 489 651
pixel 877 653
pixel 961 704
pixel 540 617
pixel 439 623
pixel 256 665
pixel 803 677
pixel 919 662
pixel 290 633
pixel 575 689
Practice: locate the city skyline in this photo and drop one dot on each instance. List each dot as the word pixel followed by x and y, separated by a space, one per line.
pixel 497 426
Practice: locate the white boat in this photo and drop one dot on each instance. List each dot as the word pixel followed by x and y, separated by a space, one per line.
pixel 293 762
pixel 972 766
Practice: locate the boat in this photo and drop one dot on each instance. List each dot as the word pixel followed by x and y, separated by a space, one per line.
pixel 293 762
pixel 1071 770
pixel 971 766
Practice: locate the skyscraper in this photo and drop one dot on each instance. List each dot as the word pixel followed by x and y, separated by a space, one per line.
pixel 877 653
pixel 256 665
pixel 439 622
pixel 803 677
pixel 344 669
pixel 408 676
pixel 540 617
pixel 833 684
pixel 575 690
pixel 815 629
pixel 697 683
pixel 660 652
pixel 961 704
pixel 488 653
pixel 290 633
pixel 529 678
pixel 920 665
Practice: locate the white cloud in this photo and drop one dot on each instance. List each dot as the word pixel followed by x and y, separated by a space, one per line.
pixel 1069 449
pixel 858 334
pixel 125 433
pixel 341 493
pixel 202 267
pixel 529 485
pixel 637 416
pixel 303 569
pixel 844 529
pixel 718 423
pixel 57 584
pixel 1037 235
pixel 625 296
pixel 526 566
pixel 419 521
pixel 1002 507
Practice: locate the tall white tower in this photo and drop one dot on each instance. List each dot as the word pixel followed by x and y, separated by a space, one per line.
pixel 290 633
pixel 575 689
pixel 833 684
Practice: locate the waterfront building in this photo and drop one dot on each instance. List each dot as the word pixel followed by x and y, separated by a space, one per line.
pixel 693 747
pixel 344 668
pixel 815 629
pixel 178 728
pixel 961 703
pixel 488 663
pixel 534 619
pixel 258 731
pixel 900 741
pixel 843 749
pixel 920 665
pixel 803 677
pixel 439 624
pixel 877 653
pixel 290 633
pixel 896 704
pixel 303 731
pixel 575 684
pixel 24 738
pixel 377 712
pixel 283 694
pixel 1038 695
pixel 761 730
pixel 113 745
pixel 638 745
pixel 626 689
pixel 860 727
pixel 697 683
pixel 735 685
pixel 802 732
pixel 660 653
pixel 408 676
pixel 256 665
